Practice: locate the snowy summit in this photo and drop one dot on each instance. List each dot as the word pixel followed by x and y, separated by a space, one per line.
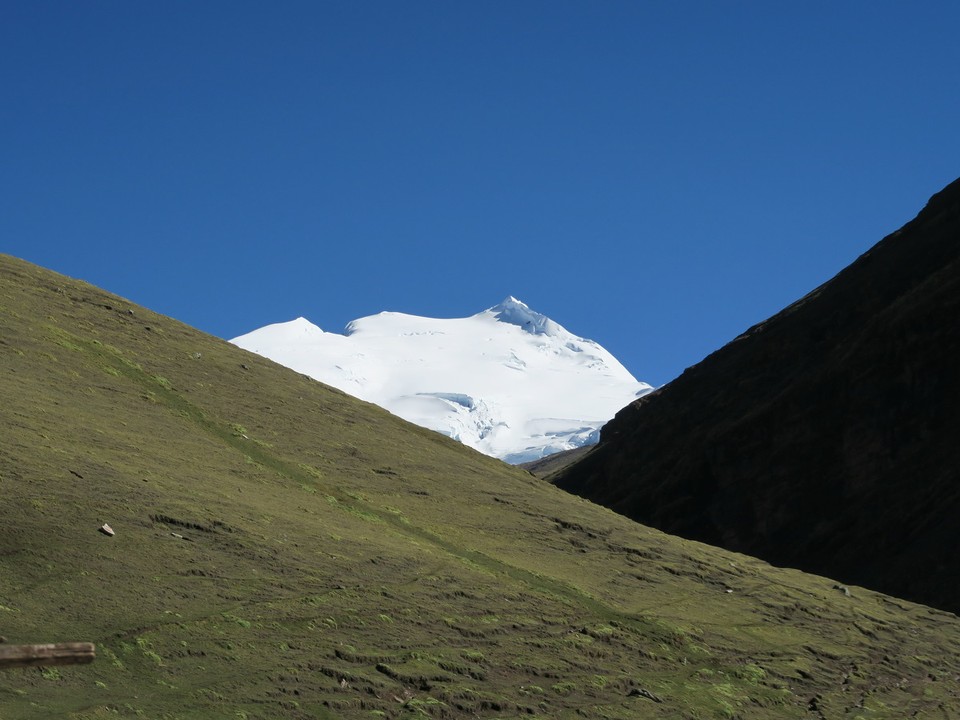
pixel 508 381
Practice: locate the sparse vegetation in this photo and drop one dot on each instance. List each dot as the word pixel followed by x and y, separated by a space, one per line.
pixel 285 578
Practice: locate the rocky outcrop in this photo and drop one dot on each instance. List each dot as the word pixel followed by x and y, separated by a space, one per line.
pixel 826 438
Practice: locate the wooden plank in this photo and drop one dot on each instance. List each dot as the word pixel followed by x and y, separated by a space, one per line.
pixel 14 656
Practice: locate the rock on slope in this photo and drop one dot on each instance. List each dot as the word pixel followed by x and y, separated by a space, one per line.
pixel 825 438
pixel 508 381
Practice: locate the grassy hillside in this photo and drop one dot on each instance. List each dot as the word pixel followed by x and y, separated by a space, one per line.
pixel 283 550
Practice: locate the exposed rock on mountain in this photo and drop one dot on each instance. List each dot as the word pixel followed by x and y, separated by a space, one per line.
pixel 825 438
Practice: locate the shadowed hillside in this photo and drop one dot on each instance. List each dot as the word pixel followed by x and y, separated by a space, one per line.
pixel 284 550
pixel 825 438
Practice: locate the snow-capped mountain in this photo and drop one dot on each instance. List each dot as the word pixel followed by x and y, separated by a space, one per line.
pixel 508 381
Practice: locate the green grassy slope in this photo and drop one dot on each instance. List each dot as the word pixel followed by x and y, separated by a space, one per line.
pixel 283 550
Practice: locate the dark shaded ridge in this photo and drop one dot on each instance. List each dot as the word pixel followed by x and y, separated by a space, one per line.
pixel 823 438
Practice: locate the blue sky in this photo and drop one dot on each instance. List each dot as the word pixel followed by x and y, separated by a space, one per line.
pixel 657 176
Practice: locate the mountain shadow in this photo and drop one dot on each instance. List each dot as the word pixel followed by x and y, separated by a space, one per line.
pixel 825 438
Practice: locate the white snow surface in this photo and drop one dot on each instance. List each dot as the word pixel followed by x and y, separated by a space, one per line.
pixel 508 381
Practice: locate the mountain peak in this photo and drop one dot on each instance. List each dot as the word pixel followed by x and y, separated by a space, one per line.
pixel 514 393
pixel 516 312
pixel 509 302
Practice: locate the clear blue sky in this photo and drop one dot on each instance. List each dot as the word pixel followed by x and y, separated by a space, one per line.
pixel 657 176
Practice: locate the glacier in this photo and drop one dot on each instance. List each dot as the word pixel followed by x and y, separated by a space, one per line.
pixel 508 381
